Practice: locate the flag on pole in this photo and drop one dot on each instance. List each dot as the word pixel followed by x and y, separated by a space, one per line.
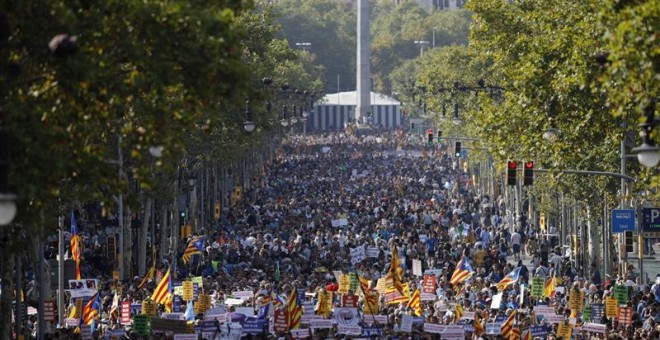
pixel 163 293
pixel 294 310
pixel 395 266
pixel 507 327
pixel 549 289
pixel 189 315
pixel 509 279
pixel 415 302
pixel 76 247
pixel 462 272
pixel 150 276
pixel 91 310
pixel 195 247
pixel 114 308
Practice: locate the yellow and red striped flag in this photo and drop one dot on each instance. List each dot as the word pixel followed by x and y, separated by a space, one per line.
pixel 416 302
pixel 507 327
pixel 395 267
pixel 458 312
pixel 549 289
pixel 462 272
pixel 195 247
pixel 163 291
pixel 294 310
pixel 150 275
pixel 76 244
pixel 91 309
pixel 478 326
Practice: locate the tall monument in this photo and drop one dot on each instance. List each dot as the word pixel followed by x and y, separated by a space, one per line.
pixel 363 105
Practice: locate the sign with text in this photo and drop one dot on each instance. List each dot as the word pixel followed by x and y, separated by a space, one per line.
pixel 429 284
pixel 417 267
pixel 610 307
pixel 624 315
pixel 623 220
pixel 50 311
pixel 349 301
pixel 125 312
pixel 188 290
pixel 651 220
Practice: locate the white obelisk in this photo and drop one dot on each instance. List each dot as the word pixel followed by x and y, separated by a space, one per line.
pixel 363 105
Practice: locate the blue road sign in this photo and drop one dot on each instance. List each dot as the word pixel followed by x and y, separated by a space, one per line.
pixel 623 220
pixel 651 220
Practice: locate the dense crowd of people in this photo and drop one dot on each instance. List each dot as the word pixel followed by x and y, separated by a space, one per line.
pixel 324 196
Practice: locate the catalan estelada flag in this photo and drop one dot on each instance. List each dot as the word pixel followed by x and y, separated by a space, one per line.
pixel 509 279
pixel 294 310
pixel 76 246
pixel 195 247
pixel 91 310
pixel 163 293
pixel 507 327
pixel 416 302
pixel 462 272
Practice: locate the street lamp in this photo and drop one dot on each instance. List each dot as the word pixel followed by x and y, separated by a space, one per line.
pixel 648 154
pixel 248 125
pixel 457 119
pixel 7 199
pixel 283 120
pixel 421 44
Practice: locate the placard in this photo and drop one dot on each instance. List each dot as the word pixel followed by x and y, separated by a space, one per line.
pixel 373 252
pixel 383 284
pixel 204 302
pixel 597 312
pixel 434 328
pixel 149 308
pixel 125 312
pixel 539 330
pixel 320 324
pixel 344 284
pixel 576 300
pixel 624 315
pixel 339 222
pixel 429 284
pixel 586 313
pixel 188 292
pixel 594 327
pixel 621 294
pixel 349 301
pixel 564 330
pixel 79 308
pixel 357 255
pixel 406 323
pixel 141 324
pixel 50 311
pixel 86 332
pixel 497 300
pixel 537 287
pixel 243 295
pixel 349 330
pixel 374 318
pixel 279 322
pixel 453 332
pixel 300 333
pixel 610 307
pixel 417 267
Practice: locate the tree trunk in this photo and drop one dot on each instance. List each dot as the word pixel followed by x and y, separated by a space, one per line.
pixel 142 238
pixel 128 243
pixel 164 233
pixel 7 273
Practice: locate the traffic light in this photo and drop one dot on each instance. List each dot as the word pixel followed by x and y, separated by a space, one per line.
pixel 629 241
pixel 511 167
pixel 528 173
pixel 439 136
pixel 457 149
pixel 429 135
pixel 182 216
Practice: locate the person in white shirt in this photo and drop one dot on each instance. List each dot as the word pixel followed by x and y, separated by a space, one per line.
pixel 516 243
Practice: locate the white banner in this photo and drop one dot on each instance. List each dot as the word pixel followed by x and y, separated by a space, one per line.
pixel 76 293
pixel 339 222
pixel 349 330
pixel 594 327
pixel 434 328
pixel 319 324
pixel 373 252
pixel 243 294
pixel 370 319
pixel 357 255
pixel 427 297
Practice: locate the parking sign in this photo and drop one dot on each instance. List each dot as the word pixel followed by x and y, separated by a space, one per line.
pixel 651 221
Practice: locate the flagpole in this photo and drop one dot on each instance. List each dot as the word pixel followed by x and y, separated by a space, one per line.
pixel 60 273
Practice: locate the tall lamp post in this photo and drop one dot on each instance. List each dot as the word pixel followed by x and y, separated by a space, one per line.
pixel 421 44
pixel 7 199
